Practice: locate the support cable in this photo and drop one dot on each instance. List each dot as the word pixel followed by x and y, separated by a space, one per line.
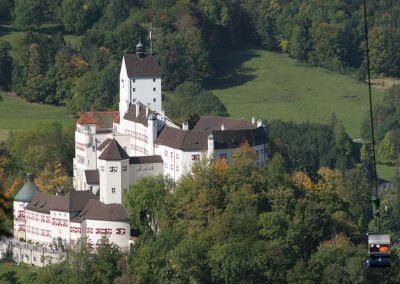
pixel 371 115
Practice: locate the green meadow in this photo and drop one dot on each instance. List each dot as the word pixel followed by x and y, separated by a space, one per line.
pixel 17 114
pixel 273 86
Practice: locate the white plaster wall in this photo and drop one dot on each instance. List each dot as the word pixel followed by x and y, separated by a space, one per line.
pixel 139 171
pixel 19 230
pixel 60 231
pixel 75 232
pixel 120 240
pixel 146 90
pixel 38 227
pixel 118 179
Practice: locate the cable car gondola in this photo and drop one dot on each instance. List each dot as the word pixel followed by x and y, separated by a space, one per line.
pixel 378 251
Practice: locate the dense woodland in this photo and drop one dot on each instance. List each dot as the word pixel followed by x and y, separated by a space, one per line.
pixel 300 219
pixel 190 37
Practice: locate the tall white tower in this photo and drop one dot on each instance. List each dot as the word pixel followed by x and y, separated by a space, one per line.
pixel 140 81
pixel 113 173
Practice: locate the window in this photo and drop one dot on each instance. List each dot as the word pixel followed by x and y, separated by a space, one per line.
pixel 166 165
pixel 102 168
pixel 222 156
pixel 133 89
pixel 171 155
pixel 134 80
pixel 154 89
pixel 177 168
pixel 125 190
pixel 113 169
pixel 195 157
pixel 113 190
pixel 166 153
pixel 177 156
pixel 154 79
pixel 171 167
pixel 124 168
pixel 154 100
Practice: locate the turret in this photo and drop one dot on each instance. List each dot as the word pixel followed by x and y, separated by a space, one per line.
pixel 114 173
pixel 139 50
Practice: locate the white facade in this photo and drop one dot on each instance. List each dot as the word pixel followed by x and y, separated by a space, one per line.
pixel 146 90
pixel 114 180
pixel 116 232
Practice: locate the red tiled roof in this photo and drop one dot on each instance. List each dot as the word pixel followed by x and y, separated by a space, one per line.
pixel 102 119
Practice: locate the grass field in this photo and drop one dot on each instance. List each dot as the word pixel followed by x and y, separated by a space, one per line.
pixel 273 86
pixel 17 114
pixel 12 273
pixel 386 172
pixel 16 37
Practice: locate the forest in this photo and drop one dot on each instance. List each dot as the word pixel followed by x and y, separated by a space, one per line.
pixel 190 38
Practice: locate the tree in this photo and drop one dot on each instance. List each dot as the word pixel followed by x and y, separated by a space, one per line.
pixel 5 65
pixel 28 13
pixel 146 203
pixel 78 15
pixel 190 100
pixel 46 144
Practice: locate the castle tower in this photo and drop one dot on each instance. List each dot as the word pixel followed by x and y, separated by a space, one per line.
pixel 113 173
pixel 140 81
pixel 21 199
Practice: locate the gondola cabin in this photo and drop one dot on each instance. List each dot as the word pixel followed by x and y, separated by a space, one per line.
pixel 378 250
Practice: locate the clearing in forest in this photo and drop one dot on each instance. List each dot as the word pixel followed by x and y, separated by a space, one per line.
pixel 273 86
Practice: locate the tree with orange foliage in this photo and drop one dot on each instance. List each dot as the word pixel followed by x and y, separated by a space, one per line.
pixel 245 155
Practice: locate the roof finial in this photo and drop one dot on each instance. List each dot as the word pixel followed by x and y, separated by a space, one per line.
pixel 139 49
pixel 29 177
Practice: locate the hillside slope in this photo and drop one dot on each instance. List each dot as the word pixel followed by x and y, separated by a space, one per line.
pixel 273 86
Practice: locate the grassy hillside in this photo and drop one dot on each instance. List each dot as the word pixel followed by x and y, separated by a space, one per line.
pixel 12 273
pixel 274 86
pixel 17 114
pixel 16 37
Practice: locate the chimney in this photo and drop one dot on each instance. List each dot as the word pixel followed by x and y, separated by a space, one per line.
pixel 253 120
pixel 185 125
pixel 137 108
pixel 147 109
pixel 259 123
pixel 222 127
pixel 210 147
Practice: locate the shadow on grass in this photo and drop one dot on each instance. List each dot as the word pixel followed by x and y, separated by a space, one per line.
pixel 230 71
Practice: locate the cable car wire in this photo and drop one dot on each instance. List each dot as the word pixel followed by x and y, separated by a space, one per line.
pixel 371 114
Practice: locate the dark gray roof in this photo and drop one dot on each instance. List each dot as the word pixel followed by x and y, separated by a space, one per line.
pixel 198 139
pixel 92 177
pixel 71 202
pixel 141 118
pixel 155 159
pixel 104 144
pixel 215 122
pixel 97 210
pixel 25 194
pixel 182 139
pixel 142 67
pixel 225 139
pixel 113 152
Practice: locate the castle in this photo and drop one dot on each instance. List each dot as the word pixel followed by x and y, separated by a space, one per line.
pixel 114 150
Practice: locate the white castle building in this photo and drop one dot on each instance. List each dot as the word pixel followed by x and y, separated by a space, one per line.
pixel 47 219
pixel 115 149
